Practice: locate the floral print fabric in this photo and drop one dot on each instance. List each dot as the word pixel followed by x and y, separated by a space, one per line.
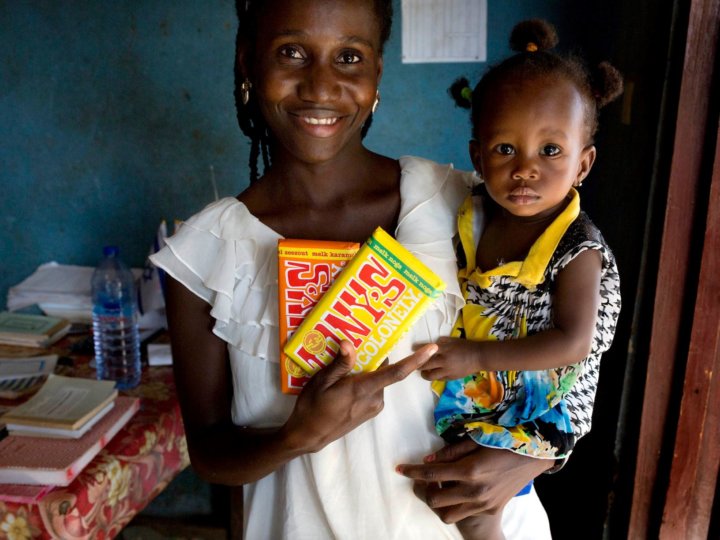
pixel 135 466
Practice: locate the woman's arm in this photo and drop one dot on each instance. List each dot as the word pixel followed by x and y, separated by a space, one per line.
pixel 220 452
pixel 576 300
pixel 330 406
pixel 465 479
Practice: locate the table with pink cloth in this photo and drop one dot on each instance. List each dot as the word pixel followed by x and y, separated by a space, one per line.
pixel 134 467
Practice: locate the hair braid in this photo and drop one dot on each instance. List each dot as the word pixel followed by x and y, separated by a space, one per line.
pixel 250 119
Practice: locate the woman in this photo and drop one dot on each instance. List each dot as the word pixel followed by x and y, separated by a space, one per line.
pixel 320 465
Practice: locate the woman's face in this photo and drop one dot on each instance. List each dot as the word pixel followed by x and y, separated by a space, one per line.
pixel 317 66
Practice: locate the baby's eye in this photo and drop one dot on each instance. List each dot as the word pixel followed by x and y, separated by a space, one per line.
pixel 505 149
pixel 349 58
pixel 291 52
pixel 550 150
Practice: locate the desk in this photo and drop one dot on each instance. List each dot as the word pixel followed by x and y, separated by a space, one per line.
pixel 124 477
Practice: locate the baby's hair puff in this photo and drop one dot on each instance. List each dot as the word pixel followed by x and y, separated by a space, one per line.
pixel 533 41
pixel 533 35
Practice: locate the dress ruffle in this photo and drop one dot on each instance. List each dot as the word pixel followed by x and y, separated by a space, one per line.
pixel 427 225
pixel 228 257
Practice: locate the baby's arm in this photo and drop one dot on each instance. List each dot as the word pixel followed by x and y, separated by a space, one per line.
pixel 576 300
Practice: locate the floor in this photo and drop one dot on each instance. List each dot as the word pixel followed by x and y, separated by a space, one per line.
pixel 188 509
pixel 164 529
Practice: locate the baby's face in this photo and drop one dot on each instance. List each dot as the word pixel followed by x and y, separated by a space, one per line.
pixel 531 145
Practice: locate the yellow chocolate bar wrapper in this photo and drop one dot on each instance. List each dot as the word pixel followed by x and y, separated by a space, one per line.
pixel 306 269
pixel 381 292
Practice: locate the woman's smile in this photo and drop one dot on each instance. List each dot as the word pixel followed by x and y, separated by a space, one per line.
pixel 316 77
pixel 318 124
pixel 319 121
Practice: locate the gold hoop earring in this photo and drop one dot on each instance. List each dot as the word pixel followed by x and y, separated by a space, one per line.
pixel 377 101
pixel 245 91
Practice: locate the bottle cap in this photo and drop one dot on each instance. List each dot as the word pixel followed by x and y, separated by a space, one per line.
pixel 111 251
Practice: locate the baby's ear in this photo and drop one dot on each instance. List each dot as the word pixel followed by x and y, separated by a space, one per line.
pixel 587 159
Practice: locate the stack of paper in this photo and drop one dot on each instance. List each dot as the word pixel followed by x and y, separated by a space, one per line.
pixel 65 291
pixel 60 290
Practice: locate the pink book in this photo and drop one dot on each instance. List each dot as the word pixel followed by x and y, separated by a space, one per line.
pixel 56 462
pixel 22 494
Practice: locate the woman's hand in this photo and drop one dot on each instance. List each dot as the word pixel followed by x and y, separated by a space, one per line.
pixel 333 404
pixel 465 479
pixel 455 358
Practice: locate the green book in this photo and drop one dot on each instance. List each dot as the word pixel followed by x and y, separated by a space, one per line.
pixel 31 330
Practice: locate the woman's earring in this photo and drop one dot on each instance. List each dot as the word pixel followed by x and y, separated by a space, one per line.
pixel 245 90
pixel 377 101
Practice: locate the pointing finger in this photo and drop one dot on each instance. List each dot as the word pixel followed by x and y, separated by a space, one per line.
pixel 390 374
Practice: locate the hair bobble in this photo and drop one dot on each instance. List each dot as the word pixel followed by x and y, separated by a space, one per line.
pixel 466 93
pixel 531 47
pixel 462 93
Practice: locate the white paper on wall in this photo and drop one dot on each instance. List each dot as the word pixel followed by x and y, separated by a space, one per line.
pixel 444 31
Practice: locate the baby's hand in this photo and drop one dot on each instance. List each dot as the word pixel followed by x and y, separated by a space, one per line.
pixel 454 359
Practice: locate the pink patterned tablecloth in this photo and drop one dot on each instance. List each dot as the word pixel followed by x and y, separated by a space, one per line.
pixel 124 477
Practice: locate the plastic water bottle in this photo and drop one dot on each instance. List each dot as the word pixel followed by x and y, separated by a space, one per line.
pixel 115 321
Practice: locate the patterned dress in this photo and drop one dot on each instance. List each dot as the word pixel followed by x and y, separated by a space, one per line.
pixel 537 413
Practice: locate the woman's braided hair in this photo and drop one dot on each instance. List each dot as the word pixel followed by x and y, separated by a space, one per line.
pixel 251 121
pixel 532 40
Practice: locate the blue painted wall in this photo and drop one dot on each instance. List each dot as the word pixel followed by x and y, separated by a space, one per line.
pixel 113 115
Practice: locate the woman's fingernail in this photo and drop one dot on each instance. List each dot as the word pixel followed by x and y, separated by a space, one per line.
pixel 429 458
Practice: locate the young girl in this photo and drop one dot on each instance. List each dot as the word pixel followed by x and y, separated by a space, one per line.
pixel 319 465
pixel 540 283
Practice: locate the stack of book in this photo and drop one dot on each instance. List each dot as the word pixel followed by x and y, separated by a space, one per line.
pixel 57 432
pixel 31 330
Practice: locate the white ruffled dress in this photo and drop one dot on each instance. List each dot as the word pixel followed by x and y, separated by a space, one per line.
pixel 349 490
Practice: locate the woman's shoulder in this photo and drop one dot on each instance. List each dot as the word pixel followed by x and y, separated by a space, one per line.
pixel 423 180
pixel 227 218
pixel 438 174
pixel 211 249
pixel 227 257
